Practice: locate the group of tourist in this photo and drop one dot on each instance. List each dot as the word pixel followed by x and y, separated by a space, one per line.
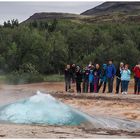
pixel 93 77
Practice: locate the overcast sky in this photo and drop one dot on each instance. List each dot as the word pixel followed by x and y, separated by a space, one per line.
pixel 23 10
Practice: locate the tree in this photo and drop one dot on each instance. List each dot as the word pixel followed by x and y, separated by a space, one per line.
pixel 11 24
pixel 47 46
pixel 34 24
pixel 58 52
pixel 14 23
pixel 12 57
pixel 52 26
pixel 7 24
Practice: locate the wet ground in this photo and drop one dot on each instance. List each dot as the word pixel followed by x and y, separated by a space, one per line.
pixel 108 105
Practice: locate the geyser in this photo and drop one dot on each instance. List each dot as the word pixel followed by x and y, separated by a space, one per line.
pixel 41 109
pixel 45 109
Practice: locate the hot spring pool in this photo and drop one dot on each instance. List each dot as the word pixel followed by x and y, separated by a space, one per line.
pixel 45 109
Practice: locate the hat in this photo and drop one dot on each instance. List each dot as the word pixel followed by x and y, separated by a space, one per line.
pixel 78 67
pixel 104 65
pixel 89 65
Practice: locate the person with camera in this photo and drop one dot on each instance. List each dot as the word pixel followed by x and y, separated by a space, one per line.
pixel 136 71
pixel 125 78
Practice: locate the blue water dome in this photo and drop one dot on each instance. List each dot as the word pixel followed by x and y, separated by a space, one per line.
pixel 41 109
pixel 45 109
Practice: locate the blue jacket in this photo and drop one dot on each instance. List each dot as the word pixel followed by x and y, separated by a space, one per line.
pixel 111 71
pixel 91 76
pixel 125 75
pixel 103 75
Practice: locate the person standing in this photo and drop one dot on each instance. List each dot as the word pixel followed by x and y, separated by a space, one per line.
pixel 125 78
pixel 97 73
pixel 118 77
pixel 85 78
pixel 91 80
pixel 103 78
pixel 90 64
pixel 73 68
pixel 136 71
pixel 68 75
pixel 78 79
pixel 111 71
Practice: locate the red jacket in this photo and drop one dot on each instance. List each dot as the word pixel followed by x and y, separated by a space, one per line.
pixel 136 71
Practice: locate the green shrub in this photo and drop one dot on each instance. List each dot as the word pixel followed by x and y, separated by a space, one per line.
pixel 22 78
pixel 54 78
pixel 28 68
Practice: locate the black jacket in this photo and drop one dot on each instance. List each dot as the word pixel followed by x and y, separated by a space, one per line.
pixel 86 75
pixel 118 74
pixel 68 74
pixel 78 76
pixel 97 72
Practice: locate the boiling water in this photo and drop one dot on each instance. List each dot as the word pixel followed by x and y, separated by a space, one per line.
pixel 40 109
pixel 45 109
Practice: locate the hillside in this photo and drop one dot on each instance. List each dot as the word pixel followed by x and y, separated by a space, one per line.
pixel 120 12
pixel 52 15
pixel 114 7
pixel 116 12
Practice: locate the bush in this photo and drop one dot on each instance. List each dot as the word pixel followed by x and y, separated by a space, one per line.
pixel 54 78
pixel 22 78
pixel 28 68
